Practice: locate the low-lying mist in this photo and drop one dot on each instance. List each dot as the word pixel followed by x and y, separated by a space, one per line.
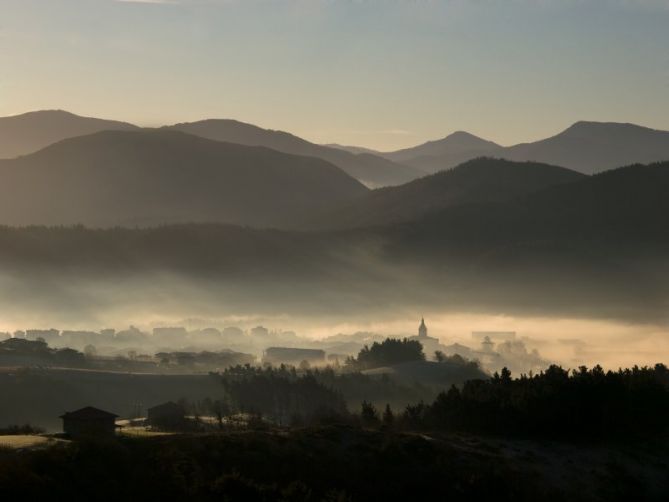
pixel 315 311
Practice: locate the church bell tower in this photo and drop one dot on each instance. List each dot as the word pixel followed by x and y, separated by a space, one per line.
pixel 422 329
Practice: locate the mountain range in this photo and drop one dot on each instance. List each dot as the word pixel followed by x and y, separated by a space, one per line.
pixel 27 133
pixel 109 173
pixel 586 147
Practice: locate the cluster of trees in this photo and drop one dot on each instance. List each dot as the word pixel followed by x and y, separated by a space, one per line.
pixel 207 359
pixel 581 404
pixel 281 394
pixel 357 387
pixel 288 395
pixel 17 351
pixel 389 352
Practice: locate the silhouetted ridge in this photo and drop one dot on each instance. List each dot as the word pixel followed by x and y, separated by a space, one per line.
pixel 367 168
pixel 445 153
pixel 153 177
pixel 586 146
pixel 29 132
pixel 624 208
pixel 476 181
pixel 592 147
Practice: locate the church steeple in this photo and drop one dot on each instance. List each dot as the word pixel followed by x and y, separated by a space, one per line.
pixel 422 329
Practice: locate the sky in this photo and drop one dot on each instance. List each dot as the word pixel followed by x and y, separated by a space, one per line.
pixel 379 73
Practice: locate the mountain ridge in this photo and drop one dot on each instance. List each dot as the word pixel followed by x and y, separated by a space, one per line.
pixel 478 180
pixel 152 177
pixel 585 146
pixel 372 170
pixel 28 132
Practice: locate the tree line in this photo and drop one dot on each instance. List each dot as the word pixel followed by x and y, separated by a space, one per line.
pixel 555 403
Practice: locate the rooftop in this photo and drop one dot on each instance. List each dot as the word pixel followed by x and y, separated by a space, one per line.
pixel 88 413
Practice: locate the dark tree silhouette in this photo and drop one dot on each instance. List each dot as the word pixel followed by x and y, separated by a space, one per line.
pixel 368 414
pixel 582 404
pixel 387 353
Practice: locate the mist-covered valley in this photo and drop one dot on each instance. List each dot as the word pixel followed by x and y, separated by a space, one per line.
pixel 274 284
pixel 334 250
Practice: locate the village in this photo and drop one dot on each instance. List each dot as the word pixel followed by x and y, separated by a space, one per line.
pixel 178 387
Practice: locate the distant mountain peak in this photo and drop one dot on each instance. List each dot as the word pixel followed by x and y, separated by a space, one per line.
pixel 32 131
pixel 463 135
pixel 589 126
pixel 461 139
pixel 54 113
pixel 446 152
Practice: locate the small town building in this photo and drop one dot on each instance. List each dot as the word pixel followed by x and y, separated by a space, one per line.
pixel 166 414
pixel 430 344
pixel 89 422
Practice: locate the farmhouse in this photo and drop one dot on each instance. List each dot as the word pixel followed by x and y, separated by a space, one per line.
pixel 166 414
pixel 89 422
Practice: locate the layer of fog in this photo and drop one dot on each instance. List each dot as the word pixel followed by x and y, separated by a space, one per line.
pixel 161 300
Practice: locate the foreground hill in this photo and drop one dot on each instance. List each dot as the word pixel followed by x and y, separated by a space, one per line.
pixel 334 462
pixel 156 177
pixel 370 169
pixel 445 153
pixel 29 132
pixel 476 181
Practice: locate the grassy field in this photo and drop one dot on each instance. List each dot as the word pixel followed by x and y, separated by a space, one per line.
pixel 19 442
pixel 141 431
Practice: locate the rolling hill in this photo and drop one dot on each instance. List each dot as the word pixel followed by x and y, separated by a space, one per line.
pixel 153 177
pixel 615 213
pixel 372 170
pixel 476 181
pixel 29 132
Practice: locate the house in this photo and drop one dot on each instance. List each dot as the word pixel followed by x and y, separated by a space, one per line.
pixel 89 422
pixel 166 414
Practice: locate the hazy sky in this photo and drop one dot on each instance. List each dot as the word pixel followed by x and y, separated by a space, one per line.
pixel 381 73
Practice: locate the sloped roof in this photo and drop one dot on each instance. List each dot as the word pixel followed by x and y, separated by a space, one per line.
pixel 167 407
pixel 88 413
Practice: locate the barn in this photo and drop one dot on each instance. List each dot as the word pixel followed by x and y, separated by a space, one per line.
pixel 89 422
pixel 168 414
